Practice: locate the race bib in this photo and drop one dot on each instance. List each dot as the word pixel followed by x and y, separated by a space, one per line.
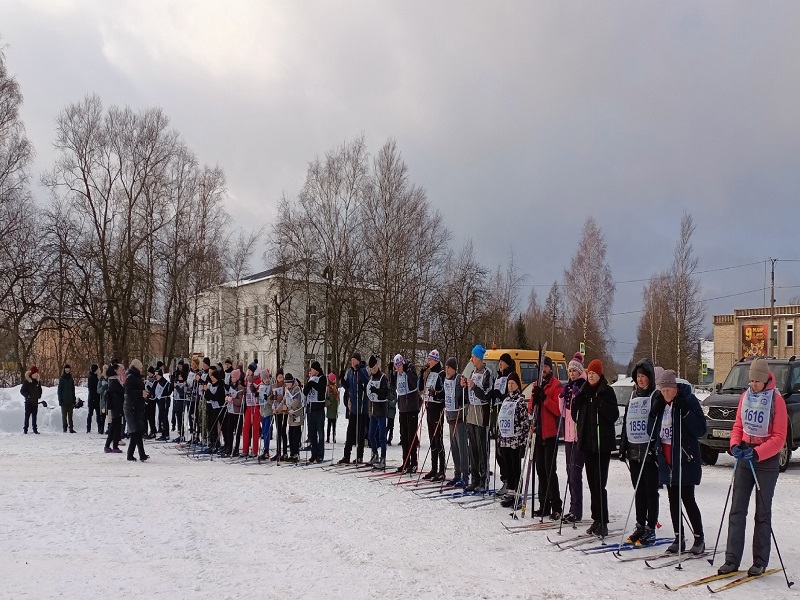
pixel 477 379
pixel 402 384
pixel 505 418
pixel 638 414
pixel 430 382
pixel 666 425
pixel 214 404
pixel 450 394
pixel 500 385
pixel 263 394
pixel 755 411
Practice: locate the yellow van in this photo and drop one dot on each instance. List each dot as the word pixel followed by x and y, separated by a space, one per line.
pixel 526 364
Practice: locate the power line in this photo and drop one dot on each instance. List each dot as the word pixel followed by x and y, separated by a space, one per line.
pixel 636 312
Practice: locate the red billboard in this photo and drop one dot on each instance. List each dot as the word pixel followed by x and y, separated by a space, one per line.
pixel 754 340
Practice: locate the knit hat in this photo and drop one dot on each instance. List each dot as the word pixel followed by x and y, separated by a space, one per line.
pixel 159 372
pixel 452 363
pixel 478 352
pixel 666 380
pixel 137 364
pixel 66 366
pixel 398 360
pixel 576 364
pixel 759 370
pixel 595 367
pixel 373 360
pixel 288 378
pixel 332 377
pixel 434 355
pixel 548 361
pixel 206 361
pixel 228 361
pixel 34 370
pixel 357 356
pixel 316 366
pixel 506 358
pixel 151 370
pixel 265 375
pixel 253 368
pixel 515 378
pixel 236 374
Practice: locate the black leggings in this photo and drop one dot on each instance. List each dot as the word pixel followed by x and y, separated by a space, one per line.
pixel 114 430
pixel 646 493
pixel 597 477
pixel 136 442
pixel 685 493
pixel 549 494
pixel 332 426
pixel 281 441
pixel 512 458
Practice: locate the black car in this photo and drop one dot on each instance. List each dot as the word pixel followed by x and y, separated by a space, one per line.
pixel 720 408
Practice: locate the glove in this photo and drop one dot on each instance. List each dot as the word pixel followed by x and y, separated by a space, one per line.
pixel 538 395
pixel 745 453
pixel 431 391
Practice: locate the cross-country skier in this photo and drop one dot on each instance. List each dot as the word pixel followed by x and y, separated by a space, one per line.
pixel 404 381
pixel 574 455
pixel 513 427
pixel 378 394
pixel 545 406
pixel 431 387
pixel 479 385
pixel 454 395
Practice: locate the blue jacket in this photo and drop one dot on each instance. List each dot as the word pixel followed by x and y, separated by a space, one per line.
pixel 688 425
pixel 355 382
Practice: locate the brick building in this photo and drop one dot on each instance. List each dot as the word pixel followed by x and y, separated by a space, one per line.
pixel 746 333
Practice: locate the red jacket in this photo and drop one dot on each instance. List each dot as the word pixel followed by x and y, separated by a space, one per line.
pixel 551 407
pixel 766 447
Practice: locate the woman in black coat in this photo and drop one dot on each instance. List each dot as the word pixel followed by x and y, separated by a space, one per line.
pixel 595 412
pixel 134 407
pixel 677 423
pixel 115 402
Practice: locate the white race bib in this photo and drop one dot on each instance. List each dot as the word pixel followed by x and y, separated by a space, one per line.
pixel 450 394
pixel 312 395
pixel 477 379
pixel 402 384
pixel 214 404
pixel 505 418
pixel 263 394
pixel 638 414
pixel 430 382
pixel 666 425
pixel 755 411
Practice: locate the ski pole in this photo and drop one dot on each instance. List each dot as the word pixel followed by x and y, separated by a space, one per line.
pixel 435 432
pixel 453 436
pixel 523 472
pixel 771 530
pixel 636 487
pixel 570 466
pixel 600 474
pixel 681 535
pixel 550 473
pixel 413 443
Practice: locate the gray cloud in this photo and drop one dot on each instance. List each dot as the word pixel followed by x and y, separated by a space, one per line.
pixel 519 119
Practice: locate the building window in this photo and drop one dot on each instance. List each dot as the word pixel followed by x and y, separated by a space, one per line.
pixel 774 337
pixel 255 319
pixel 266 320
pixel 790 335
pixel 246 321
pixel 255 356
pixel 311 321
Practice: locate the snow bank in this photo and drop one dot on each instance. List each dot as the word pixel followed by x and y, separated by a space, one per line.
pixel 12 410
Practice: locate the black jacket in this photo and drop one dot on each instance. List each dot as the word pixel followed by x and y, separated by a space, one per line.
pixel 66 390
pixel 321 386
pixel 115 396
pixel 379 385
pixel 595 412
pixel 134 405
pixel 629 450
pixel 94 396
pixel 31 389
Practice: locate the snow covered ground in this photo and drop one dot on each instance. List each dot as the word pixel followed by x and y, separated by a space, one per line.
pixel 77 523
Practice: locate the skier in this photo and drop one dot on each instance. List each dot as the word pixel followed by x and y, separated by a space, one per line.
pixel 93 400
pixel 355 382
pixel 378 394
pixel 404 381
pixel 635 446
pixel 252 415
pixel 574 456
pixel 314 391
pixel 115 402
pixel 506 366
pixel 293 407
pixel 280 416
pixel 234 411
pixel 161 391
pixel 214 396
pixel 102 394
pixel 31 390
pixel 677 423
pixel 391 415
pixel 431 387
pixel 332 406
pixel 265 411
pixel 179 403
pixel 758 435
pixel 595 411
pixel 228 371
pixel 513 427
pixel 66 399
pixel 545 405
pixel 453 395
pixel 479 385
pixel 134 407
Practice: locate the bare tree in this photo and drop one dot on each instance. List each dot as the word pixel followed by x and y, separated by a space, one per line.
pixel 688 309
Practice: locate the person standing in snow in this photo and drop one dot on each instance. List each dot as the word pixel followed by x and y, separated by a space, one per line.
pixel 150 404
pixel 93 400
pixel 545 406
pixel 293 406
pixel 102 391
pixel 758 435
pixel 134 407
pixel 161 390
pixel 252 415
pixel 232 417
pixel 332 406
pixel 314 391
pixel 281 417
pixel 513 427
pixel 431 387
pixel 505 366
pixel 404 381
pixel 115 403
pixel 66 399
pixel 378 394
pixel 31 390
pixel 479 386
pixel 636 446
pixel 677 423
pixel 574 455
pixel 453 395
pixel 179 395
pixel 355 383
pixel 214 396
pixel 595 412
pixel 265 411
pixel 391 414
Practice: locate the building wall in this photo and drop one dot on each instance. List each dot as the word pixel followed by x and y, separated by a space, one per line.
pixel 728 335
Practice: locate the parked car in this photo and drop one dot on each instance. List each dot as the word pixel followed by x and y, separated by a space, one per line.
pixel 720 408
pixel 623 388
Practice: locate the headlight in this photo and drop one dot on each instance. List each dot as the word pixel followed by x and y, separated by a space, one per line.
pixel 705 410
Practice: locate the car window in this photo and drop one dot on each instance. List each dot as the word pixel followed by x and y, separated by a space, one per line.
pixel 562 371
pixel 795 375
pixel 528 372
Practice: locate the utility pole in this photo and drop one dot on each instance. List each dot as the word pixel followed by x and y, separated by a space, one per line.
pixel 772 341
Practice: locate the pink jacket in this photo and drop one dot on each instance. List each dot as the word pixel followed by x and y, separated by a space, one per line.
pixel 767 447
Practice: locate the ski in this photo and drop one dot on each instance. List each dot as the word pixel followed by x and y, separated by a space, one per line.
pixel 544 526
pixel 612 547
pixel 740 581
pixel 702 580
pixel 479 504
pixel 674 560
pixel 577 538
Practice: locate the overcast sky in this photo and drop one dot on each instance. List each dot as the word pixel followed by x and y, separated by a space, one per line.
pixel 519 119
